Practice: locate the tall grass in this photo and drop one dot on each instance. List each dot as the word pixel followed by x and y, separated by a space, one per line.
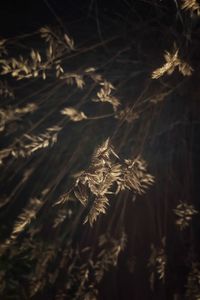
pixel 98 175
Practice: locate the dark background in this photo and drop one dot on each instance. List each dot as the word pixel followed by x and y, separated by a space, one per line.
pixel 22 17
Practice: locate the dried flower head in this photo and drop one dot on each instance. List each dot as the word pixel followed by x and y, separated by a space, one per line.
pixel 73 114
pixel 134 176
pixel 32 143
pixel 191 5
pixel 55 37
pixel 172 61
pixel 104 95
pixel 184 213
pixel 94 185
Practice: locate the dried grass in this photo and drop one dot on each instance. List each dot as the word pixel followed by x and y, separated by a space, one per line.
pixel 47 240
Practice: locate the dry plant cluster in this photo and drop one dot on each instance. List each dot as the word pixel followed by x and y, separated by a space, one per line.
pixel 70 159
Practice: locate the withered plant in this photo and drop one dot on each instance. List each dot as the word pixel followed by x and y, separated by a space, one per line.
pixel 98 153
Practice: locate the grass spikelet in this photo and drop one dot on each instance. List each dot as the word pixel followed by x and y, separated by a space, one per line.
pixel 172 62
pixel 73 114
pixel 191 5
